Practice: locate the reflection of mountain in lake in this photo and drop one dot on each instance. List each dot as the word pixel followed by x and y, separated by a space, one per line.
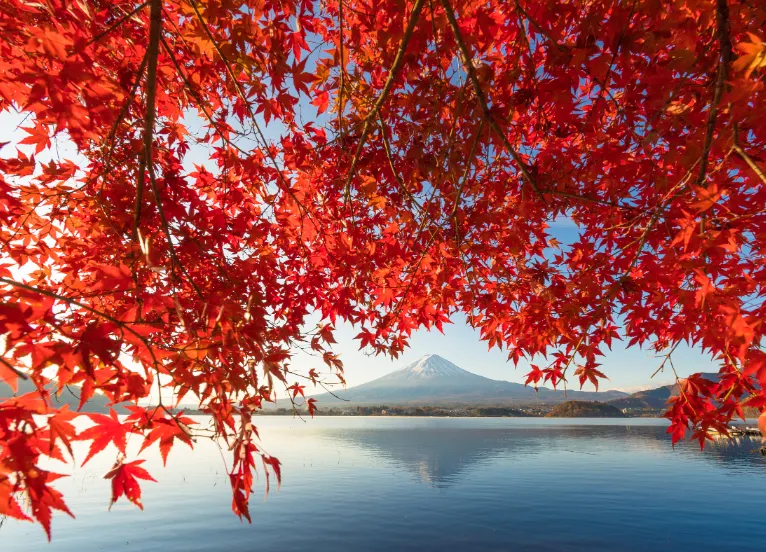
pixel 436 456
pixel 442 456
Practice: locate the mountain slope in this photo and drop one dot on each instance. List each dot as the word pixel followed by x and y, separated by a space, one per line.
pixel 652 399
pixel 433 380
pixel 98 403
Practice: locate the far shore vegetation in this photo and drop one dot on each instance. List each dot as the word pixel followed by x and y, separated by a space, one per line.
pixel 569 409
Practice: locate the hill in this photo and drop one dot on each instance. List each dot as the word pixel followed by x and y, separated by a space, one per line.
pixel 584 409
pixel 651 400
pixel 71 397
pixel 435 381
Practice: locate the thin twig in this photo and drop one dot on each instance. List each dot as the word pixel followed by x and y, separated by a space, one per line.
pixel 285 185
pixel 121 115
pixel 168 235
pixel 667 357
pixel 744 155
pixel 537 26
pixel 464 179
pixel 117 23
pixel 389 156
pixel 588 199
pixel 83 306
pixel 323 386
pixel 13 369
pixel 603 87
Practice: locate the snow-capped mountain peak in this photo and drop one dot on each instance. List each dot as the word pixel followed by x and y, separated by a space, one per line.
pixel 433 380
pixel 431 366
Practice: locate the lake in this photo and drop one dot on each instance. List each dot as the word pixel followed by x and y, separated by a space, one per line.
pixel 431 484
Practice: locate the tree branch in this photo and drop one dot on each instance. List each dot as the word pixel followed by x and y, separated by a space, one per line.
pixel 400 182
pixel 342 73
pixel 123 112
pixel 471 70
pixel 723 33
pixel 155 31
pixel 392 74
pixel 70 301
pixel 537 26
pixel 468 162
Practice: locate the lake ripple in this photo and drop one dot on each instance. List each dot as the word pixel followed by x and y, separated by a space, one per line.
pixel 432 484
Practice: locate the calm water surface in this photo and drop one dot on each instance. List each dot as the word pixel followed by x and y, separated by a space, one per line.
pixel 433 484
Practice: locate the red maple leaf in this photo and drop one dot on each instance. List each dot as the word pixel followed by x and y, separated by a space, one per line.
pixel 9 375
pixel 166 431
pixel 311 405
pixel 43 498
pixel 108 430
pixel 321 101
pixel 125 476
pixel 39 136
pixel 62 429
pixel 534 376
pixel 591 374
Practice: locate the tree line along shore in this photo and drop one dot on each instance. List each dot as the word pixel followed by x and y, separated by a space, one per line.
pixel 568 409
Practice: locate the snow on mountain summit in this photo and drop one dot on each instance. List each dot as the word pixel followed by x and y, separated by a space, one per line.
pixel 433 365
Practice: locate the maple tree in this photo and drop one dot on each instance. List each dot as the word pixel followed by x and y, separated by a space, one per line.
pixel 243 166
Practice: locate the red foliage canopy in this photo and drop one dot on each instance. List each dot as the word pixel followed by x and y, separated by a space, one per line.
pixel 423 150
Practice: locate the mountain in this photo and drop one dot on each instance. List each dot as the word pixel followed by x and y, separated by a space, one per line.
pixel 70 396
pixel 652 399
pixel 584 409
pixel 433 380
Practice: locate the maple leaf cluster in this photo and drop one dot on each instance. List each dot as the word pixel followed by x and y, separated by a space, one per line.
pixel 245 166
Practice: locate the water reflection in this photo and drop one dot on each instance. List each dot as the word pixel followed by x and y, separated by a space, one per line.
pixel 438 457
pixel 442 456
pixel 740 453
pixel 431 484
